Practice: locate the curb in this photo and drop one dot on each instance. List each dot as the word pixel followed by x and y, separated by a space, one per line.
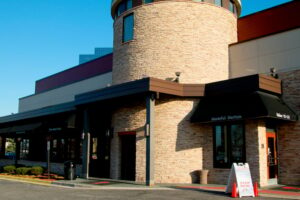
pixel 26 180
pixel 87 186
pixel 263 193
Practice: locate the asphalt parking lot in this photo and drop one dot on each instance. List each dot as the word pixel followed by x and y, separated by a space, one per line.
pixel 11 190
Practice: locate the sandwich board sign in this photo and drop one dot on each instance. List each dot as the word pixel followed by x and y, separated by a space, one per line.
pixel 240 174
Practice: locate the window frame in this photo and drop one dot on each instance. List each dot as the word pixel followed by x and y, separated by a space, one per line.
pixel 65 147
pixel 24 150
pixel 123 31
pixel 231 6
pixel 126 5
pixel 146 1
pixel 227 127
pixel 221 3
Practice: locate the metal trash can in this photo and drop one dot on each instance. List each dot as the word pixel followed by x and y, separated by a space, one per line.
pixel 203 176
pixel 70 170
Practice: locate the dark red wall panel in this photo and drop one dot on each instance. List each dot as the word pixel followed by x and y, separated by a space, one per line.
pixel 86 70
pixel 281 18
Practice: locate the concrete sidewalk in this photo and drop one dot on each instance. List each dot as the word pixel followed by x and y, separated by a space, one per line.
pixel 278 191
pixel 281 192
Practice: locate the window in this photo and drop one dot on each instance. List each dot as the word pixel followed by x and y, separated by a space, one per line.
pixel 128 4
pixel 231 6
pixel 123 6
pixel 218 2
pixel 24 149
pixel 148 1
pixel 128 24
pixel 64 149
pixel 10 148
pixel 229 145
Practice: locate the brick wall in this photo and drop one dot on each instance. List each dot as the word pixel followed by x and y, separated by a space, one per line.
pixel 289 133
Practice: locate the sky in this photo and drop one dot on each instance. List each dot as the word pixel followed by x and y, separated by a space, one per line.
pixel 42 37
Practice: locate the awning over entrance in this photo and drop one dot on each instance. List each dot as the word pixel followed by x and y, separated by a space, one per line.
pixel 238 107
pixel 20 128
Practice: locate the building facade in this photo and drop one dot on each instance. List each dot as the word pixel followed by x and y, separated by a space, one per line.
pixel 187 88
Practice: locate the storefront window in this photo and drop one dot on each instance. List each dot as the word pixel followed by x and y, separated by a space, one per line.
pixel 10 148
pixel 24 149
pixel 221 145
pixel 229 145
pixel 64 149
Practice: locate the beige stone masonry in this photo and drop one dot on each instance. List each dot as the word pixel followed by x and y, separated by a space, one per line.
pixel 178 143
pixel 171 36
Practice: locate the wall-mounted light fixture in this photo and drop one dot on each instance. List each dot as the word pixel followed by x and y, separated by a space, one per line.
pixel 177 76
pixel 273 72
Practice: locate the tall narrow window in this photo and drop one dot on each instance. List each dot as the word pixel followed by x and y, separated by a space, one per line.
pixel 231 6
pixel 128 24
pixel 128 4
pixel 221 146
pixel 218 3
pixel 121 8
pixel 24 149
pixel 229 145
pixel 237 143
pixel 148 1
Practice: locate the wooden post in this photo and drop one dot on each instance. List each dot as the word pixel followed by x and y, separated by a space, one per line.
pixel 150 104
pixel 86 145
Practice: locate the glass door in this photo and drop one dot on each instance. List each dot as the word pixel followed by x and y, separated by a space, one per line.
pixel 100 156
pixel 272 158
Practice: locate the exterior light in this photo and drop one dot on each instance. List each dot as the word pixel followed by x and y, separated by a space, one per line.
pixel 177 76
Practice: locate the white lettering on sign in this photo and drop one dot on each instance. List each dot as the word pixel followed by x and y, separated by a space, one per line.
pixel 284 116
pixel 240 174
pixel 227 117
pixel 54 129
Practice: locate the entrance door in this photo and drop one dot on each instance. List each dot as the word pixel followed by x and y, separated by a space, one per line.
pixel 128 147
pixel 272 155
pixel 100 156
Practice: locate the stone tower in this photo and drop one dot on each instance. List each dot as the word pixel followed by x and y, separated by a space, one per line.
pixel 157 38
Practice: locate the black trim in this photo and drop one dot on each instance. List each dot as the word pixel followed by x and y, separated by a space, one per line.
pixel 239 107
pixel 61 108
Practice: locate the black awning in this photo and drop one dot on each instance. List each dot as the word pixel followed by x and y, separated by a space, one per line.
pixel 20 128
pixel 230 108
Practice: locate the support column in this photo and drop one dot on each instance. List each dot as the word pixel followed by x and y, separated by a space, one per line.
pixel 150 146
pixel 17 150
pixel 48 155
pixel 86 145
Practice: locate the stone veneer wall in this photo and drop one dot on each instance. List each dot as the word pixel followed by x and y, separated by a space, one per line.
pixel 256 153
pixel 289 133
pixel 178 143
pixel 131 117
pixel 175 36
pixel 57 168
